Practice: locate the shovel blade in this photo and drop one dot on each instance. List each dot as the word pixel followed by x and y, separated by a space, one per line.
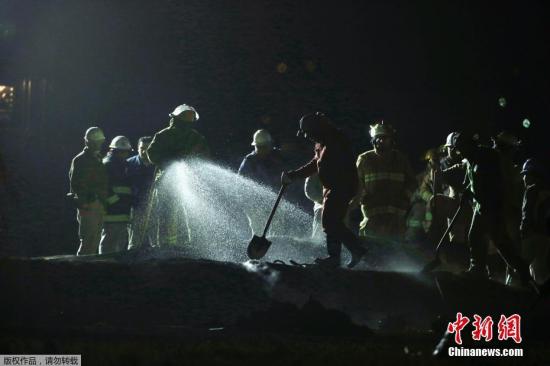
pixel 257 247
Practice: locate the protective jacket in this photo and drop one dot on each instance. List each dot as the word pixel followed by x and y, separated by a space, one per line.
pixel 386 183
pixel 119 200
pixel 175 142
pixel 88 177
pixel 333 161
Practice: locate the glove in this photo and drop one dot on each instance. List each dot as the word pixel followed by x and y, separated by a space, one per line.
pixel 286 179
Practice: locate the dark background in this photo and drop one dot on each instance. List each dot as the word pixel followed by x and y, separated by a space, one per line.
pixel 427 67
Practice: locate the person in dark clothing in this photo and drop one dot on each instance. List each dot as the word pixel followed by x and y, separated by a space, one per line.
pixel 485 186
pixel 335 164
pixel 535 218
pixel 265 163
pixel 114 237
pixel 140 173
pixel 88 189
pixel 264 166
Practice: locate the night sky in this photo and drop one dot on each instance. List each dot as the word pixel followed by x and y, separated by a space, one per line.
pixel 427 67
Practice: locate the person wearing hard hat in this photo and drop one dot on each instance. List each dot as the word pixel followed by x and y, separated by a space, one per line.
pixel 535 221
pixel 333 162
pixel 264 166
pixel 485 189
pixel 443 205
pixel 141 174
pixel 88 188
pixel 114 237
pixel 178 141
pixel 386 184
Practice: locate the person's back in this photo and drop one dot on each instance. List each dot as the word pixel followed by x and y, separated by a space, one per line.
pixel 179 141
pixel 175 142
pixel 484 171
pixel 336 162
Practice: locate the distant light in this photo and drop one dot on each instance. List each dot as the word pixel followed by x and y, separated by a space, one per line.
pixel 282 67
pixel 502 102
pixel 310 65
pixel 526 123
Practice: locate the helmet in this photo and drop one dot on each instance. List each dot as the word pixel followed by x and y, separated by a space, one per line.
pixel 380 129
pixel 312 123
pixel 94 134
pixel 121 143
pixel 451 139
pixel 182 108
pixel 507 139
pixel 262 138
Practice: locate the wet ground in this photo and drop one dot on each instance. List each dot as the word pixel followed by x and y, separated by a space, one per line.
pixel 158 307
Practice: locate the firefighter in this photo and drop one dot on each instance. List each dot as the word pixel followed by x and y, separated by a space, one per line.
pixel 114 237
pixel 420 214
pixel 264 166
pixel 140 174
pixel 386 184
pixel 88 189
pixel 177 141
pixel 450 174
pixel 485 187
pixel 535 219
pixel 333 162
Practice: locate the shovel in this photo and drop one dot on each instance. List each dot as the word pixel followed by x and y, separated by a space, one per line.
pixel 437 261
pixel 259 246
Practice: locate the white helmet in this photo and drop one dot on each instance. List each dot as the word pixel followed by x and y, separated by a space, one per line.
pixel 182 108
pixel 94 134
pixel 380 129
pixel 262 138
pixel 121 143
pixel 451 139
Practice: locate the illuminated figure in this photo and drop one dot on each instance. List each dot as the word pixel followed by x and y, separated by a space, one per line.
pixel 178 141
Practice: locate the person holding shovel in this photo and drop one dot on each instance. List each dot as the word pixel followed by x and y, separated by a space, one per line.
pixel 334 162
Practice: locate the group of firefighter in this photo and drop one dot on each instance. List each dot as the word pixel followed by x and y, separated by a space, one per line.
pixel 498 207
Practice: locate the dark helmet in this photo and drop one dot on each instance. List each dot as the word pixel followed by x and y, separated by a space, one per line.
pixel 313 124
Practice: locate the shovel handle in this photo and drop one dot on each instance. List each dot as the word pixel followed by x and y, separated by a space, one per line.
pixel 449 227
pixel 281 191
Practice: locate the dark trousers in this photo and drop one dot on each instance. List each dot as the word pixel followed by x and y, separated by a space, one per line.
pixel 335 206
pixel 491 225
